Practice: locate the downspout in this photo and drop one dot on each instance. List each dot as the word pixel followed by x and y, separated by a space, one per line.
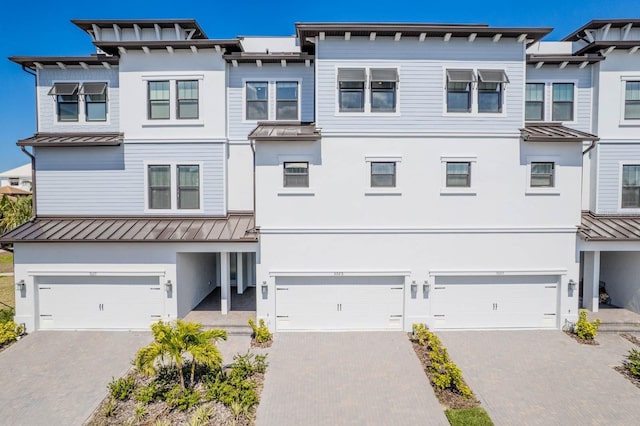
pixel 253 150
pixel 23 149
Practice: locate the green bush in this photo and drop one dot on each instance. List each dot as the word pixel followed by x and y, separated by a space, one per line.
pixel 9 332
pixel 110 408
pixel 182 399
pixel 228 389
pixel 584 329
pixel 6 315
pixel 120 389
pixel 140 411
pixel 152 392
pixel 633 362
pixel 248 364
pixel 260 332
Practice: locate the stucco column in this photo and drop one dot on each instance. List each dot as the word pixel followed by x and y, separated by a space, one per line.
pixel 225 284
pixel 240 273
pixel 591 281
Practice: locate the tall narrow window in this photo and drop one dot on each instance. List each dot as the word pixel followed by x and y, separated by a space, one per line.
pixel 351 89
pixel 631 186
pixel 66 100
pixel 383 90
pixel 296 175
pixel 383 174
pixel 534 102
pixel 632 100
pixel 562 102
pixel 542 174
pixel 459 174
pixel 187 101
pixel 95 100
pixel 459 90
pixel 257 97
pixel 491 85
pixel 286 100
pixel 159 100
pixel 160 187
pixel 188 187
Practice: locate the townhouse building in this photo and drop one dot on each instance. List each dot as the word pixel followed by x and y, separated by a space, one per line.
pixel 351 177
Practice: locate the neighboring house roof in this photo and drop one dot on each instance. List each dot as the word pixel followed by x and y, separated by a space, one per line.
pixel 268 131
pixel 237 227
pixel 22 171
pixel 35 62
pixel 88 24
pixel 553 132
pixel 13 190
pixel 609 227
pixel 597 24
pixel 116 47
pixel 73 139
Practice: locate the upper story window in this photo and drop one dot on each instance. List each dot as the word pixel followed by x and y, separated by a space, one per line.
pixel 296 175
pixel 159 100
pixel 562 109
pixel 631 186
pixel 95 101
pixel 187 99
pixel 383 90
pixel 490 87
pixel 458 174
pixel 188 187
pixel 632 100
pixel 534 102
pixel 459 90
pixel 383 174
pixel 542 174
pixel 257 98
pixel 164 191
pixel 351 89
pixel 67 100
pixel 160 187
pixel 286 100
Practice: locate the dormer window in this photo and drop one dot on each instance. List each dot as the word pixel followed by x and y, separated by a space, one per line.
pixel 66 95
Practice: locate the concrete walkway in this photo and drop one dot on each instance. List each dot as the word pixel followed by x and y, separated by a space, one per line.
pixel 545 377
pixel 346 379
pixel 60 377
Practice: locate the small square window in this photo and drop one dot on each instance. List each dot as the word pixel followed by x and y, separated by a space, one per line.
pixel 630 186
pixel 458 174
pixel 296 175
pixel 542 174
pixel 383 174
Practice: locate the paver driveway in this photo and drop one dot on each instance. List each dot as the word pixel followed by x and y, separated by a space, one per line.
pixel 545 377
pixel 59 377
pixel 346 379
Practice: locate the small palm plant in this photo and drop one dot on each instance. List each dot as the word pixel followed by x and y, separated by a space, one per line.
pixel 173 340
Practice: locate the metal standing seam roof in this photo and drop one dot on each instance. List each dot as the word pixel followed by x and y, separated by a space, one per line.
pixel 553 132
pixel 233 228
pixel 609 227
pixel 73 139
pixel 34 61
pixel 285 131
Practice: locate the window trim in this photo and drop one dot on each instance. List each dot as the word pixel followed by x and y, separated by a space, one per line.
pixel 173 170
pixel 623 83
pixel 620 177
pixel 473 175
pixel 197 117
pixel 172 120
pixel 82 116
pixel 543 103
pixel 86 102
pixel 573 102
pixel 394 176
pixel 557 178
pixel 179 188
pixel 473 112
pixel 276 100
pixel 367 112
pixel 284 175
pixel 271 97
pixel 245 110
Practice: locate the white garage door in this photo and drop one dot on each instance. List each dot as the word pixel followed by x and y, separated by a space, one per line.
pixel 495 302
pixel 323 303
pixel 98 302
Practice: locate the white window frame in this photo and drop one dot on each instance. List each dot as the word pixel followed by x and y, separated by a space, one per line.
pixel 367 91
pixel 173 119
pixel 295 191
pixel 382 190
pixel 623 121
pixel 543 190
pixel 271 97
pixel 174 186
pixel 621 209
pixel 549 96
pixel 82 112
pixel 474 93
pixel 473 173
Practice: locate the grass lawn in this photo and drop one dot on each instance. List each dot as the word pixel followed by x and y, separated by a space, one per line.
pixel 6 262
pixel 468 417
pixel 7 292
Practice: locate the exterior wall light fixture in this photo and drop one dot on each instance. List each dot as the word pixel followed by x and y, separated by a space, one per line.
pixel 168 286
pixel 572 285
pixel 20 285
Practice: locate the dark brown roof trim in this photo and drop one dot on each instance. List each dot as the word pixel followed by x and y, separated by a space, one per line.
pixel 32 61
pixel 559 59
pixel 245 57
pixel 87 24
pixel 597 24
pixel 609 227
pixel 112 47
pixel 553 132
pixel 306 30
pixel 597 46
pixel 73 139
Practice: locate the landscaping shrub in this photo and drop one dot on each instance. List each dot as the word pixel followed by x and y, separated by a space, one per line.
pixel 9 332
pixel 6 315
pixel 632 364
pixel 149 393
pixel 110 408
pixel 248 364
pixel 235 385
pixel 120 389
pixel 584 329
pixel 261 333
pixel 201 416
pixel 182 399
pixel 140 411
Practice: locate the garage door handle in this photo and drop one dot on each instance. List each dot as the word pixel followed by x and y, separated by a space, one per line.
pixel 282 316
pixel 45 288
pixel 550 286
pixel 395 316
pixel 281 288
pixel 439 288
pixel 154 288
pixel 550 315
pixel 396 288
pixel 46 315
pixel 438 315
pixel 156 316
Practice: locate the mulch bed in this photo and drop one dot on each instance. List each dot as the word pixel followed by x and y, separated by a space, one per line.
pixel 626 373
pixel 592 342
pixel 632 339
pixel 446 397
pixel 255 344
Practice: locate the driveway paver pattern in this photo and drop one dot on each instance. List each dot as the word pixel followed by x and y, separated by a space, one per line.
pixel 346 379
pixel 60 377
pixel 546 377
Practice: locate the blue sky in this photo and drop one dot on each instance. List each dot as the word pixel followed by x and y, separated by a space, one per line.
pixel 42 27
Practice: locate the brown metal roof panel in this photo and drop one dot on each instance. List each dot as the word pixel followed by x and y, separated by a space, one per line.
pixel 229 228
pixel 73 139
pixel 627 226
pixel 88 229
pixel 155 232
pixel 192 231
pixel 169 230
pixel 68 226
pixel 553 132
pixel 125 226
pixel 204 231
pixel 147 227
pixel 610 227
pixel 241 230
pixel 134 230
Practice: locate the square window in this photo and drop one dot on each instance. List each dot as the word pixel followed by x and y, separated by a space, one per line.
pixel 296 175
pixel 187 101
pixel 534 102
pixel 459 174
pixel 631 186
pixel 286 100
pixel 542 174
pixel 158 108
pixel 383 174
pixel 257 100
pixel 159 187
pixel 632 100
pixel 563 101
